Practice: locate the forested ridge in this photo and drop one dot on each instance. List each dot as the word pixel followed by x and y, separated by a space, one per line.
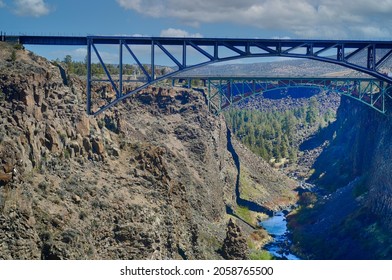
pixel 273 134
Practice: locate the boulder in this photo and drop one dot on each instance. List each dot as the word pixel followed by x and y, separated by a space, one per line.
pixel 83 126
pixel 53 142
pixel 234 246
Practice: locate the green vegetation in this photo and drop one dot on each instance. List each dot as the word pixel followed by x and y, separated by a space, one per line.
pixel 247 189
pixel 260 255
pixel 307 199
pixel 255 241
pixel 80 68
pixel 18 46
pixel 271 134
pixel 245 214
pixel 13 56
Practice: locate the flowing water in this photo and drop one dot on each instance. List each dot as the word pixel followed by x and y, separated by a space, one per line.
pixel 276 226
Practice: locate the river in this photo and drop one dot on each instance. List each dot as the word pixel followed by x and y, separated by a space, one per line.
pixel 276 226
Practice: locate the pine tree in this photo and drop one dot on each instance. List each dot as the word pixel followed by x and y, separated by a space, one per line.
pixel 13 56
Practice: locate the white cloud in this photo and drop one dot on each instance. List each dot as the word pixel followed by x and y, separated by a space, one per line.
pixel 303 18
pixel 172 32
pixel 35 8
pixel 2 4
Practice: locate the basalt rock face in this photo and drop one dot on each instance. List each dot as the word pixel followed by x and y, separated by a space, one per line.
pixel 354 218
pixel 234 246
pixel 361 150
pixel 149 179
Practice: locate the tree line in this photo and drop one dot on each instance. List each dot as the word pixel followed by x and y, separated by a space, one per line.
pixel 272 134
pixel 80 68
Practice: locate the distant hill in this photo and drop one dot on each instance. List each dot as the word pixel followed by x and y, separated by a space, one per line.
pixel 289 67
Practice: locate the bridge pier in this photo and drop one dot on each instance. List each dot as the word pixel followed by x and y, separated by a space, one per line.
pixel 88 82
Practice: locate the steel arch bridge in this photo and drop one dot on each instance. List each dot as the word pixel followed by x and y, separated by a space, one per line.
pixel 366 56
pixel 223 92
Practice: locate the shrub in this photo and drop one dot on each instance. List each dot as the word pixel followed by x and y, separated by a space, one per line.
pixel 18 47
pixel 13 56
pixel 260 255
pixel 307 199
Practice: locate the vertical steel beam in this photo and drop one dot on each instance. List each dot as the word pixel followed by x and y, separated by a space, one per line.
pixel 309 50
pixel 371 93
pixel 184 55
pixel 88 90
pixel 120 90
pixel 371 65
pixel 279 48
pixel 340 54
pixel 216 51
pixel 247 49
pixel 152 60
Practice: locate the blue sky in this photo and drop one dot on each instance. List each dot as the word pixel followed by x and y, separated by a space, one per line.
pixel 333 19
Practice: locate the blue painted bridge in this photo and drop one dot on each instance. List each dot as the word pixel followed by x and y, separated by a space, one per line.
pixel 369 57
pixel 223 92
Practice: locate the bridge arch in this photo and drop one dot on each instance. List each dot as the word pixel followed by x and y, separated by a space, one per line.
pixel 224 92
pixel 370 57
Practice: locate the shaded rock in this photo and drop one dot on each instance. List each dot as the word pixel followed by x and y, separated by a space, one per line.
pixel 87 144
pixel 97 146
pixel 53 142
pixel 234 246
pixel 74 145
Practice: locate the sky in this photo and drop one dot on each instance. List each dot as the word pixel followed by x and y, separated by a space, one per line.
pixel 304 19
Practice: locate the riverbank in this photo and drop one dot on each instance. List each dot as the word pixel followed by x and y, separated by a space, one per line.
pixel 280 246
pixel 260 191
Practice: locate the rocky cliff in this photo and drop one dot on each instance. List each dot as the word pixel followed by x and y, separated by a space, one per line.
pixel 150 179
pixel 353 217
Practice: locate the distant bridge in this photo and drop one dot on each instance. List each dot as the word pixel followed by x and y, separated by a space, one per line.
pixel 369 57
pixel 224 91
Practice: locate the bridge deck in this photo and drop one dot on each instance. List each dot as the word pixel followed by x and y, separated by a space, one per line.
pixel 244 42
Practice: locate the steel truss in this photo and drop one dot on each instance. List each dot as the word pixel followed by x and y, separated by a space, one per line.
pixel 222 92
pixel 370 57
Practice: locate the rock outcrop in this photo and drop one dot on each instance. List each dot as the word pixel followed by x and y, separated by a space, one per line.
pixel 234 246
pixel 149 179
pixel 354 216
